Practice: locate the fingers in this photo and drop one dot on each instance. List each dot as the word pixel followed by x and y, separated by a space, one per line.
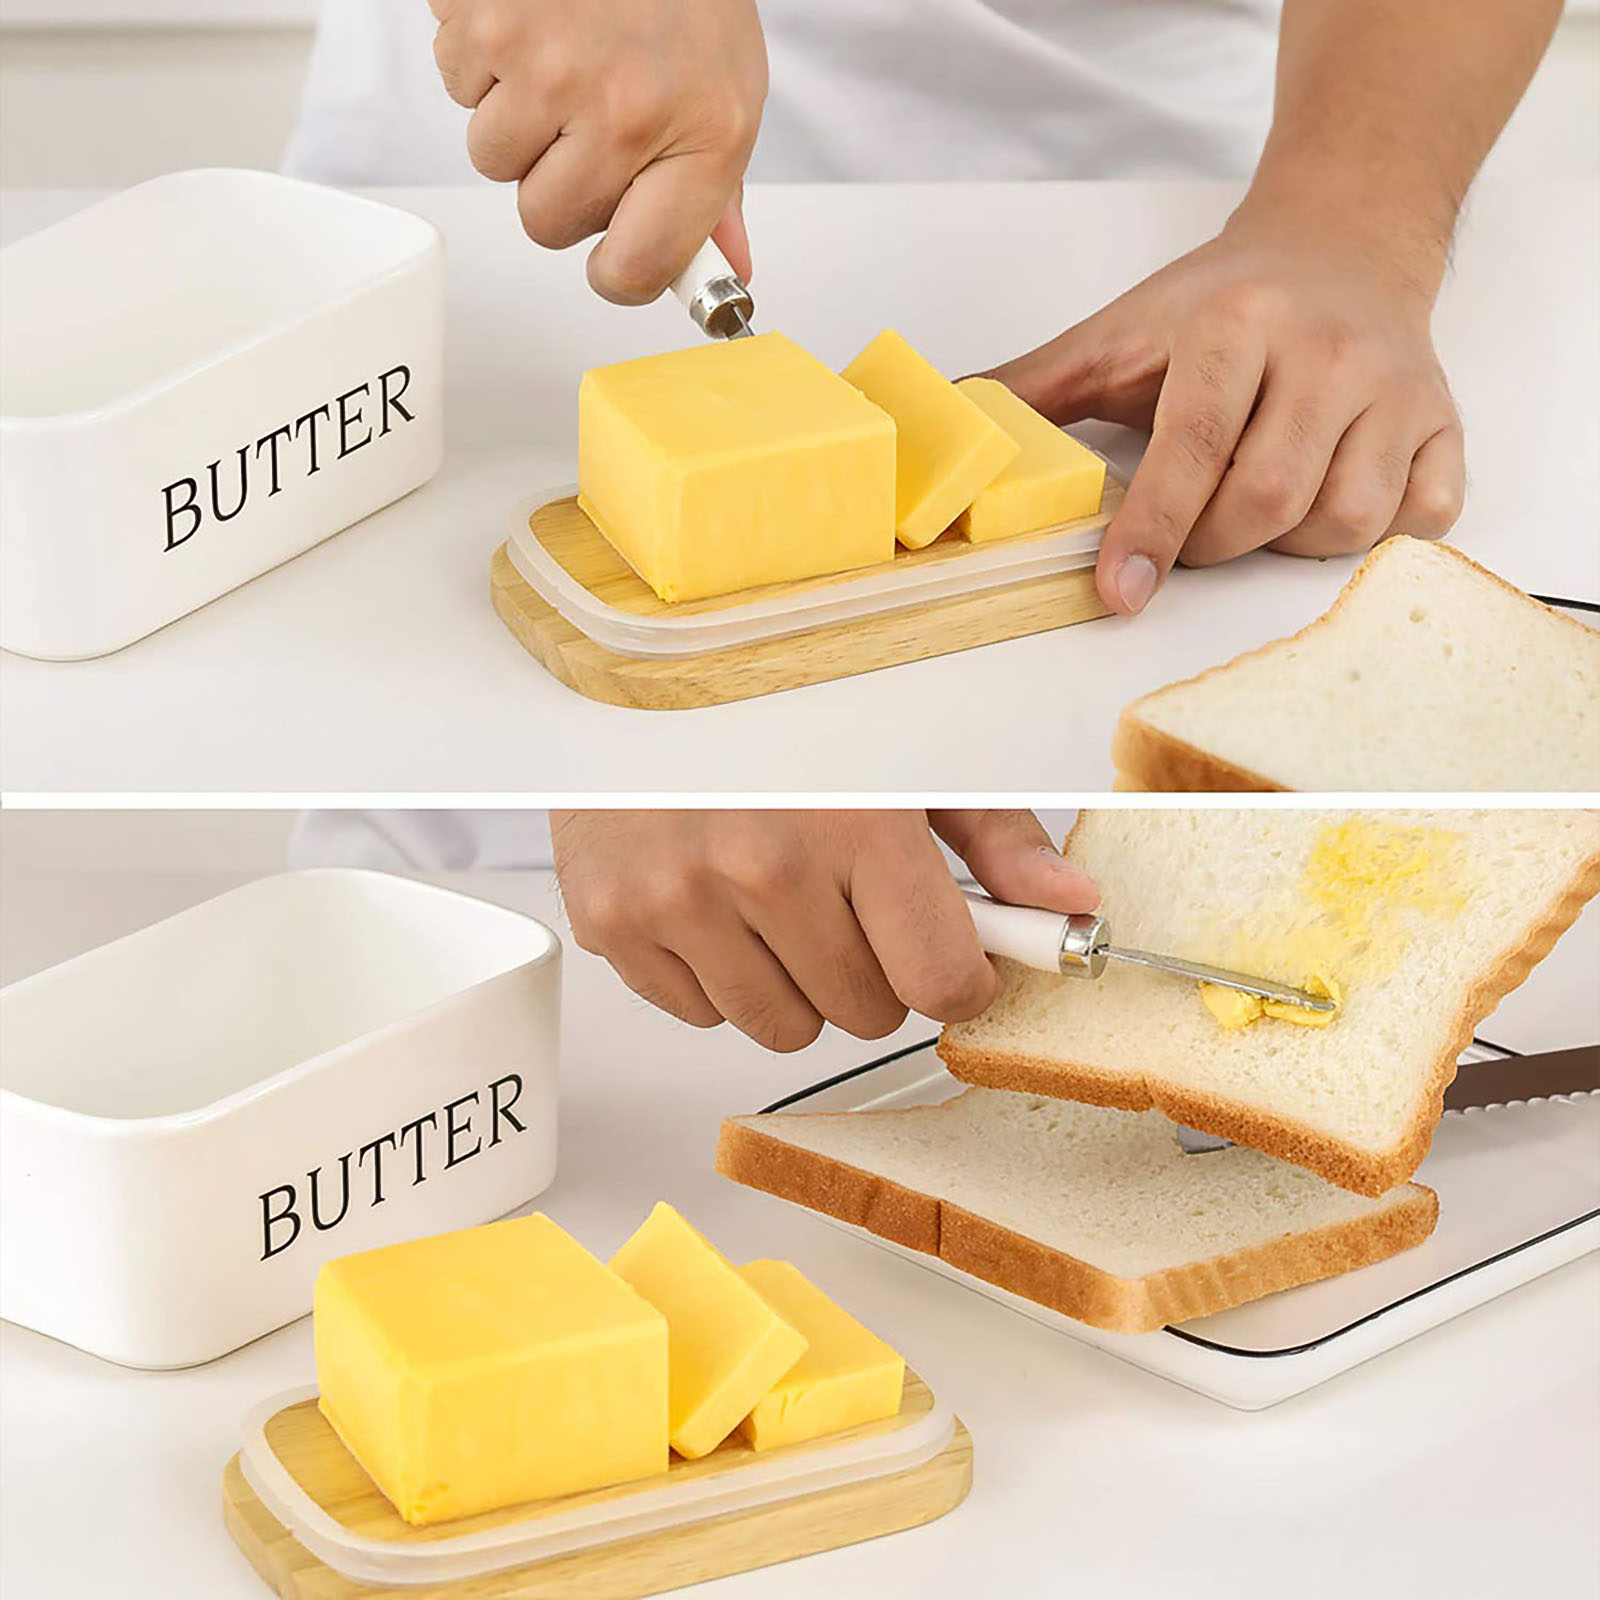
pixel 732 238
pixel 814 932
pixel 1381 482
pixel 688 952
pixel 1012 857
pixel 666 981
pixel 729 916
pixel 1278 468
pixel 1362 489
pixel 573 190
pixel 748 985
pixel 665 215
pixel 505 137
pixel 919 927
pixel 1206 399
pixel 1436 489
pixel 463 70
pixel 1097 368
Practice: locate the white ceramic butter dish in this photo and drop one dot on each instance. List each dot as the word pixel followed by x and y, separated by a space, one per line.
pixel 201 377
pixel 195 1117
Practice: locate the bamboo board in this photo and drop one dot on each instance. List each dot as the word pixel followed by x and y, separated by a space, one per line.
pixel 841 650
pixel 645 1565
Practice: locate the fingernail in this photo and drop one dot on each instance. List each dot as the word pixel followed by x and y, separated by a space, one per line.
pixel 1136 582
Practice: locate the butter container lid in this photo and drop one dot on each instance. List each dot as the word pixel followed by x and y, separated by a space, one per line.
pixel 875 592
pixel 654 1505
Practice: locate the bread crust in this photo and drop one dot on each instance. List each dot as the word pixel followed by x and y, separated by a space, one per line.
pixel 1023 1266
pixel 1158 762
pixel 1366 1172
pixel 1153 762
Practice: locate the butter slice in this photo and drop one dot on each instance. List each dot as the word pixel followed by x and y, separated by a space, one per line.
pixel 1053 479
pixel 949 449
pixel 1321 987
pixel 847 1376
pixel 495 1365
pixel 1233 1008
pixel 734 464
pixel 728 1346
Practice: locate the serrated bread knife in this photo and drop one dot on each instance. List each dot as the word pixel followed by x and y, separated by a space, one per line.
pixel 1080 947
pixel 715 295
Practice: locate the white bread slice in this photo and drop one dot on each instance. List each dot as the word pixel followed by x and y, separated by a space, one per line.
pixel 1428 674
pixel 1425 919
pixel 1094 1213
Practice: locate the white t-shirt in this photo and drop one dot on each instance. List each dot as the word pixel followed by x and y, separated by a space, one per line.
pixel 456 841
pixel 871 89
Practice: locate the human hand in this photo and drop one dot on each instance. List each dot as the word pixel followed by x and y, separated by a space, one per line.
pixel 634 118
pixel 777 921
pixel 1289 379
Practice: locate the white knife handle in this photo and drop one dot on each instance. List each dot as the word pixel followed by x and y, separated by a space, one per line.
pixel 1020 933
pixel 709 264
pixel 714 295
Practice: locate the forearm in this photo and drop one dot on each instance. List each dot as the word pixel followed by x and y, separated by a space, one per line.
pixel 1385 110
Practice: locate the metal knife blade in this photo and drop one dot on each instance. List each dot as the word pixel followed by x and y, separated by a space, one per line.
pixel 1080 947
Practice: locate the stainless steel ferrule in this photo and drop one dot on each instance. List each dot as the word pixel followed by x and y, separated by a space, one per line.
pixel 722 309
pixel 1083 946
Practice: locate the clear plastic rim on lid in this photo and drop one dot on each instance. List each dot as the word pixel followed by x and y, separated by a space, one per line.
pixel 656 1505
pixel 875 593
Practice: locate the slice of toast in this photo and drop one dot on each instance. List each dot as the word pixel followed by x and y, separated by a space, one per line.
pixel 1094 1213
pixel 1428 674
pixel 1423 919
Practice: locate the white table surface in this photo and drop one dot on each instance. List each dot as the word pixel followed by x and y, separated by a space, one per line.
pixel 374 662
pixel 1464 1464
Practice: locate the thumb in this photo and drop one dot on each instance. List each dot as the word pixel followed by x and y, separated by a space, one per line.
pixel 1065 379
pixel 731 237
pixel 1011 856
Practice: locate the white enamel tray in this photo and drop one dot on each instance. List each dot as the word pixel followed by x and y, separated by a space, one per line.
pixel 1519 1195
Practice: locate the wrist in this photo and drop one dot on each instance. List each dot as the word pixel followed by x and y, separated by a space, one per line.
pixel 1401 234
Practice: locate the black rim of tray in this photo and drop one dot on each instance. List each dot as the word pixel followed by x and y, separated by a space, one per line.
pixel 800 1095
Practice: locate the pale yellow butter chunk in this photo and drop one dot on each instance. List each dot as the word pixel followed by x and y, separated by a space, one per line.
pixel 734 464
pixel 847 1376
pixel 949 449
pixel 1053 479
pixel 728 1346
pixel 1233 1008
pixel 483 1368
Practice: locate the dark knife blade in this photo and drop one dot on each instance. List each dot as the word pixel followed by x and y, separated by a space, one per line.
pixel 1533 1077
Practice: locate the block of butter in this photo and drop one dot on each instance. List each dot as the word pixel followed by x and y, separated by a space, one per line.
pixel 733 464
pixel 949 448
pixel 847 1376
pixel 728 1346
pixel 482 1368
pixel 1053 479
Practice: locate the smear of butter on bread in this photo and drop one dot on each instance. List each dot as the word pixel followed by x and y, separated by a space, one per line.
pixel 1234 1009
pixel 1367 888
